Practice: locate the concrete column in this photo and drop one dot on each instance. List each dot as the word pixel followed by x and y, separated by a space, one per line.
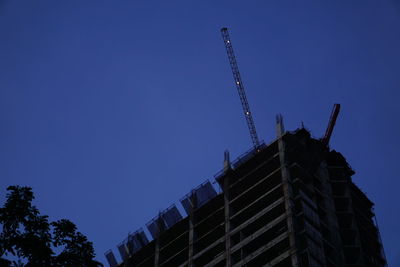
pixel 227 217
pixel 157 253
pixel 286 189
pixel 160 226
pixel 193 202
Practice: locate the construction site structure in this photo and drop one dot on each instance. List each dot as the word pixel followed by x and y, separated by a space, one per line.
pixel 289 203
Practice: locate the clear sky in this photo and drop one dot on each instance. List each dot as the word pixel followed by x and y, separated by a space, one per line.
pixel 113 110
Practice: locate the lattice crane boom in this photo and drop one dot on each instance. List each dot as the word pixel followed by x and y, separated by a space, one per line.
pixel 331 124
pixel 240 87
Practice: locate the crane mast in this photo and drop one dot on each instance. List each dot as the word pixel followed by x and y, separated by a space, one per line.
pixel 240 87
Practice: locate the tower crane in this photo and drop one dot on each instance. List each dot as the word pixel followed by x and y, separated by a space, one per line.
pixel 240 87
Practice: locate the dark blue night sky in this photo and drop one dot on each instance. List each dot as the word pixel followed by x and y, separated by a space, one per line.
pixel 113 110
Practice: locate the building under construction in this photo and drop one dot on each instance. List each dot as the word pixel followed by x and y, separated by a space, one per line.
pixel 289 203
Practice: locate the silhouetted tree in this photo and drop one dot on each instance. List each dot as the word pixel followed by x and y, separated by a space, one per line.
pixel 31 237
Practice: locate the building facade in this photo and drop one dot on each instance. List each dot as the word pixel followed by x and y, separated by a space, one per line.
pixel 289 203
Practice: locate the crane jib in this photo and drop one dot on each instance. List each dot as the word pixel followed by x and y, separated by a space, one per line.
pixel 240 88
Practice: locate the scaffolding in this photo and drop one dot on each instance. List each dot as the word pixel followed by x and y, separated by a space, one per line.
pixel 163 221
pixel 198 197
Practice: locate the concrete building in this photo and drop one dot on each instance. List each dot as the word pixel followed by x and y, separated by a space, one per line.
pixel 289 203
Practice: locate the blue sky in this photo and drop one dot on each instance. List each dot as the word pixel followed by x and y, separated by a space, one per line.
pixel 113 110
